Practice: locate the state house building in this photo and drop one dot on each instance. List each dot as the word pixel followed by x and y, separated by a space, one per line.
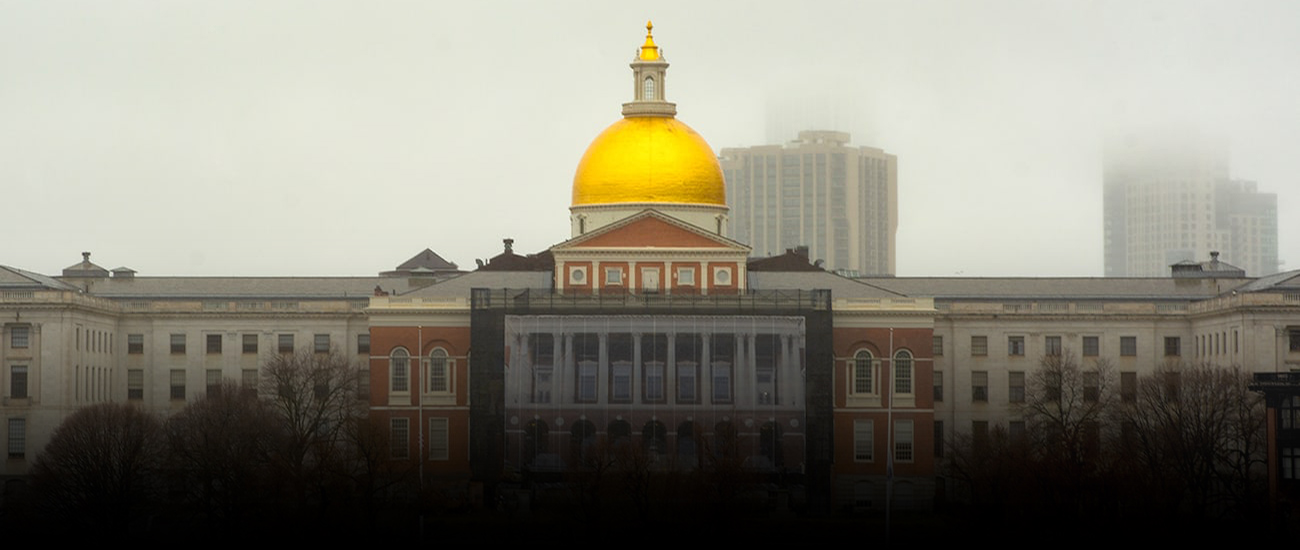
pixel 647 331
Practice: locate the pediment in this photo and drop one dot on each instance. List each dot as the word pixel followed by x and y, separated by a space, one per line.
pixel 650 229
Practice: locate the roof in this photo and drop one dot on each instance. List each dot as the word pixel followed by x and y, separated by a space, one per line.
pixel 461 285
pixel 840 287
pixel 794 259
pixel 426 262
pixel 1286 281
pixel 144 288
pixel 12 278
pixel 1060 288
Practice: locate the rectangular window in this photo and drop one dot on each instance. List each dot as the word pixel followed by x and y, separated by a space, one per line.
pixel 20 337
pixel 17 437
pixel 979 346
pixel 321 343
pixel 363 344
pixel 178 385
pixel 285 343
pixel 212 377
pixel 1128 346
pixel 936 348
pixel 214 343
pixel 439 439
pixel 399 438
pixel 938 386
pixel 135 344
pixel 613 276
pixel 1016 387
pixel 979 431
pixel 248 379
pixel 1091 346
pixel 1128 385
pixel 621 378
pixel 863 441
pixel 687 383
pixel 721 383
pixel 1016 429
pixel 686 276
pixel 979 385
pixel 1015 345
pixel 135 384
pixel 1173 346
pixel 1052 346
pixel 654 382
pixel 178 344
pixel 938 439
pixel 18 382
pixel 1091 386
pixel 1294 338
pixel 587 382
pixel 722 349
pixel 903 440
pixel 250 344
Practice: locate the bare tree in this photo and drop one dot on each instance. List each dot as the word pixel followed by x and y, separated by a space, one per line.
pixel 314 396
pixel 220 450
pixel 1199 430
pixel 101 466
pixel 1066 407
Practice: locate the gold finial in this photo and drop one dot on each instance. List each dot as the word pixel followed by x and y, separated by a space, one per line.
pixel 649 51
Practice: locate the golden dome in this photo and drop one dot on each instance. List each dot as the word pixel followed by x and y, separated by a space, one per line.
pixel 649 159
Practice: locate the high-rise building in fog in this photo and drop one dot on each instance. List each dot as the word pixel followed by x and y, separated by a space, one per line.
pixel 817 191
pixel 1173 200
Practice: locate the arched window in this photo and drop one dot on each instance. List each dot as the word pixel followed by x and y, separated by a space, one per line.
pixel 648 91
pixel 439 374
pixel 399 371
pixel 903 372
pixel 862 373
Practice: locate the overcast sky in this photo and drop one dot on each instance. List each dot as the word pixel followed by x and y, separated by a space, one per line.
pixel 342 137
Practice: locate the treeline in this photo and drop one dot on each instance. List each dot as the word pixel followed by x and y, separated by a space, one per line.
pixel 295 455
pixel 1186 442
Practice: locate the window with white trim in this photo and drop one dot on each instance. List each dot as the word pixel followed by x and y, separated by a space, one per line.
pixel 903 372
pixel 686 276
pixel 439 439
pixel 903 440
pixel 439 371
pixel 399 371
pixel 613 276
pixel 399 438
pixel 862 373
pixel 863 441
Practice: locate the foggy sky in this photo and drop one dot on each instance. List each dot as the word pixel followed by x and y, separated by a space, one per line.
pixel 341 138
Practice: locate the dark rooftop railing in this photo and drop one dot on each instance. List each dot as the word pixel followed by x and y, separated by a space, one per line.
pixel 526 299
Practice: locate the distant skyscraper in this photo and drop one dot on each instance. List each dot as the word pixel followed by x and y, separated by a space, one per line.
pixel 1172 200
pixel 817 191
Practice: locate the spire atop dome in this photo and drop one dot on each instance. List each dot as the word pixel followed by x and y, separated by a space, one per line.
pixel 649 51
pixel 648 71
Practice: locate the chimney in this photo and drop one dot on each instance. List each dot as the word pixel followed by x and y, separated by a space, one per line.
pixel 85 257
pixel 801 250
pixel 510 245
